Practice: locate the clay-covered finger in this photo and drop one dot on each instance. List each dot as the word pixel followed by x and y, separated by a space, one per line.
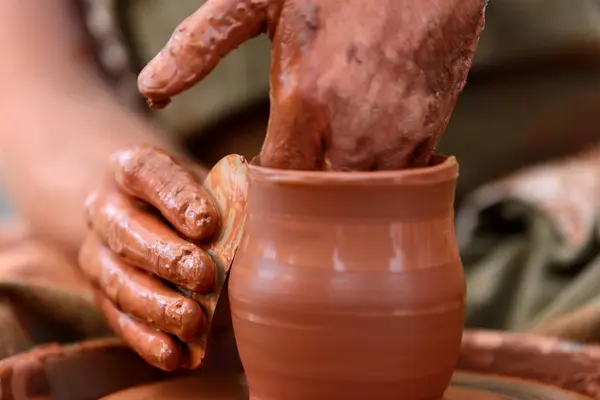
pixel 139 294
pixel 153 176
pixel 157 348
pixel 147 242
pixel 198 44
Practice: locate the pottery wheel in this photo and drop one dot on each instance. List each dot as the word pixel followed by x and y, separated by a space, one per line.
pixel 465 386
pixel 469 386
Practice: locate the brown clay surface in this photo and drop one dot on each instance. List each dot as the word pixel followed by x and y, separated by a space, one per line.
pixel 138 235
pixel 349 278
pixel 465 386
pixel 468 394
pixel 354 86
pixel 181 201
pixel 98 368
pixel 202 387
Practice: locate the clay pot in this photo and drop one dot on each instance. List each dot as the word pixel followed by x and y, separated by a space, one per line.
pixel 349 285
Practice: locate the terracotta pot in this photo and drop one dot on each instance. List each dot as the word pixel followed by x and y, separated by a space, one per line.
pixel 349 285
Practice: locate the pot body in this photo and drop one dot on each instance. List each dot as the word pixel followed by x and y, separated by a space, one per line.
pixel 349 285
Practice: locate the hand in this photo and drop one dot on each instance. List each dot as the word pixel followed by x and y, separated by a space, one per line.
pixel 131 253
pixel 355 84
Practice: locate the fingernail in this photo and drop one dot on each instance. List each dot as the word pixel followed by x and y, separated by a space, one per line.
pixel 158 73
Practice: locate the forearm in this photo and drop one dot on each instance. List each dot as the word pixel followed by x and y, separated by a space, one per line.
pixel 60 125
pixel 55 154
pixel 41 40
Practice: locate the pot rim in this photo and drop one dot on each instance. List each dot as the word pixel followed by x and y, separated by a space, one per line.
pixel 443 168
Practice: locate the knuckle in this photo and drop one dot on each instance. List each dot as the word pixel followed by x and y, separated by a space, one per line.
pixel 166 355
pixel 89 208
pixel 110 283
pixel 114 227
pixel 186 265
pixel 200 272
pixel 83 255
pixel 126 164
pixel 196 213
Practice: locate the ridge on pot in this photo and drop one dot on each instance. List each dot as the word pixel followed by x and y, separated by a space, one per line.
pixel 349 285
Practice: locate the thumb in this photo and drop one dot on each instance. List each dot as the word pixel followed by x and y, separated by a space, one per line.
pixel 198 44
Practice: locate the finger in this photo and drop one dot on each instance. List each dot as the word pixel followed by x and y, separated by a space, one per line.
pixel 294 138
pixel 151 175
pixel 196 353
pixel 198 44
pixel 157 348
pixel 146 242
pixel 298 131
pixel 140 294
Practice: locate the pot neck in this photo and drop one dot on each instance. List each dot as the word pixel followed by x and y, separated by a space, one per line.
pixel 411 194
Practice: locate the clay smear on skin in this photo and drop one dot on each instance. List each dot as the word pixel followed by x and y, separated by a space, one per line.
pixel 131 236
pixel 384 104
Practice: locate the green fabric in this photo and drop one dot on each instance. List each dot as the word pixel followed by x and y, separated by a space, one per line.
pixel 32 315
pixel 42 296
pixel 521 275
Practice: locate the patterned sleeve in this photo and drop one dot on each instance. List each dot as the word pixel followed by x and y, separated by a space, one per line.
pixel 115 59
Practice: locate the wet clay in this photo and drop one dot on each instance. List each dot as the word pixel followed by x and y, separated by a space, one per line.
pixel 98 368
pixel 202 387
pixel 135 256
pixel 555 362
pixel 470 386
pixel 343 282
pixel 465 386
pixel 354 86
pixel 141 172
pixel 88 370
pixel 131 231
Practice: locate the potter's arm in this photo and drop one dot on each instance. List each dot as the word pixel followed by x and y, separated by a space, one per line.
pixel 59 123
pixel 355 84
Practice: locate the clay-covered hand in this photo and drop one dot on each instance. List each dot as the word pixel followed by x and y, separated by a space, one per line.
pixel 146 220
pixel 355 84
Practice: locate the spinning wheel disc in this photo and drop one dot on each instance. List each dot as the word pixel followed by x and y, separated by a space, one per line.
pixel 465 386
